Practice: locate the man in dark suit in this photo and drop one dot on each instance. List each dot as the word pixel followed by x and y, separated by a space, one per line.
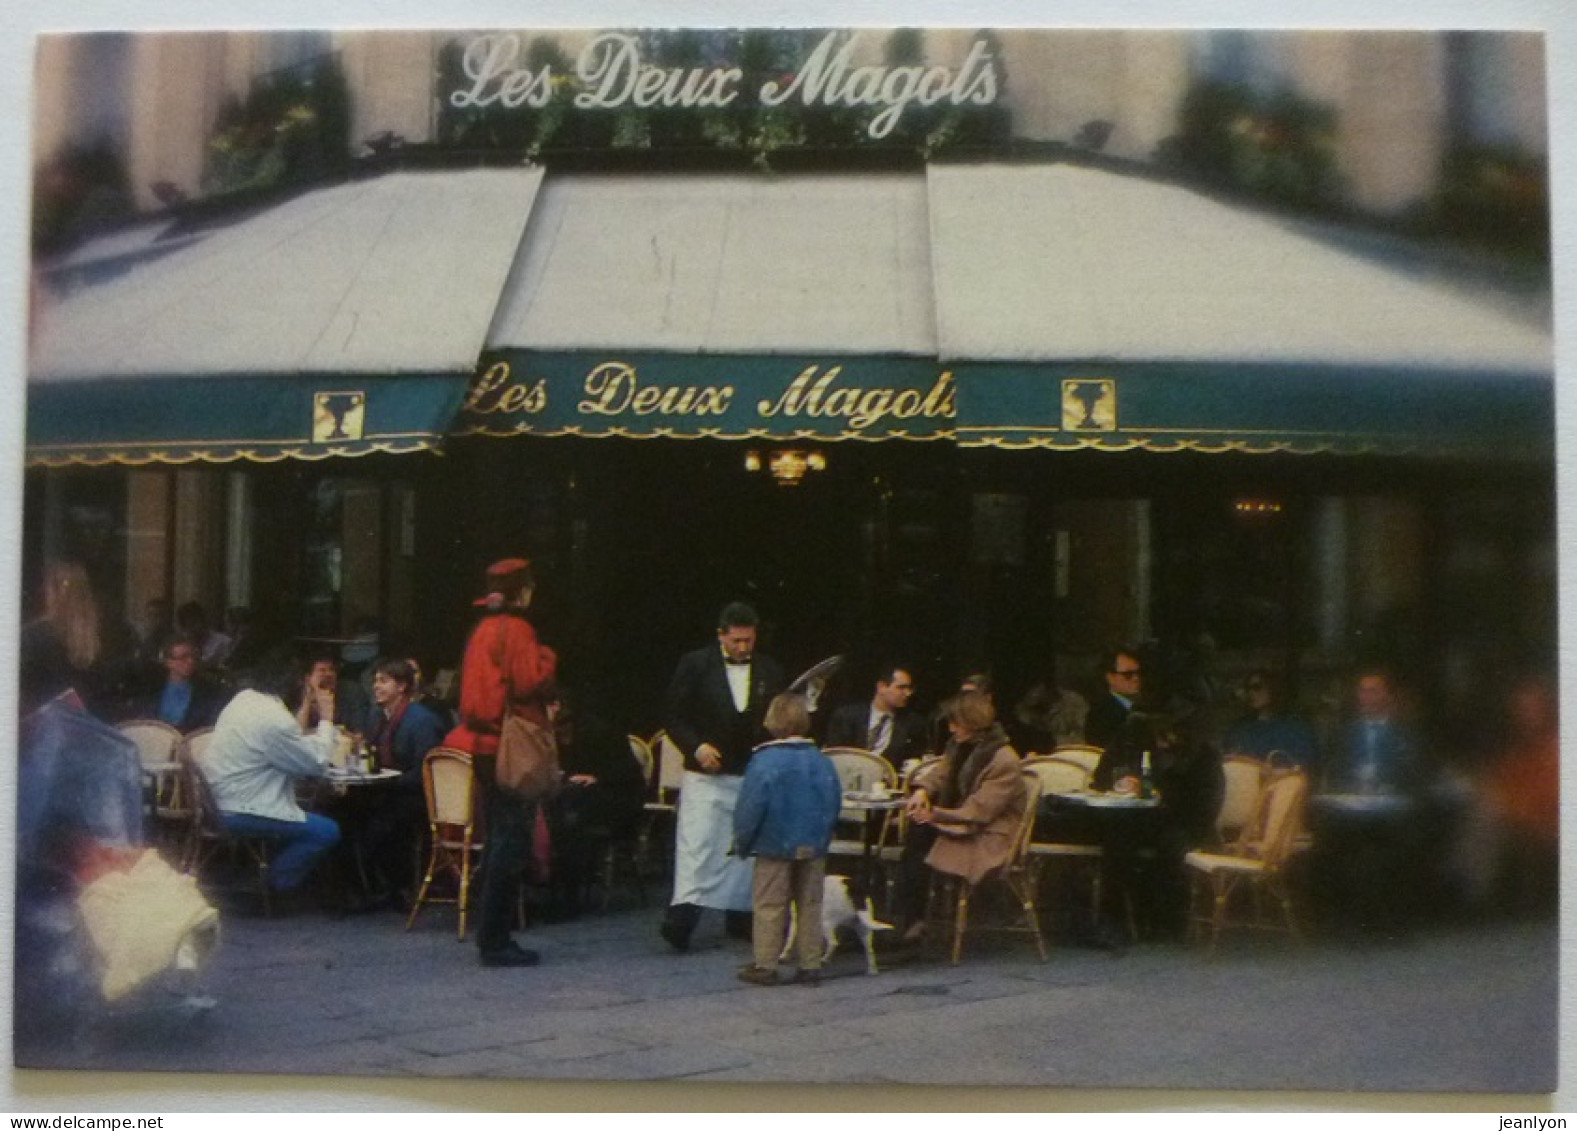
pixel 1108 712
pixel 1370 866
pixel 1378 752
pixel 885 725
pixel 713 712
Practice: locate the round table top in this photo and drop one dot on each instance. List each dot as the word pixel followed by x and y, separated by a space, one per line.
pixel 1092 799
pixel 1366 803
pixel 359 777
pixel 864 800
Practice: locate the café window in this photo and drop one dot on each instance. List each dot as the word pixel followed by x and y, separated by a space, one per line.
pixel 342 552
pixel 1235 568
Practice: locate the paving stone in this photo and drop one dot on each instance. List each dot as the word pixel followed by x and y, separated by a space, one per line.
pixel 1472 1007
pixel 678 1060
pixel 471 1038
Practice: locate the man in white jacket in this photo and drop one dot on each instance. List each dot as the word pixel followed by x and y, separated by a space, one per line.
pixel 258 750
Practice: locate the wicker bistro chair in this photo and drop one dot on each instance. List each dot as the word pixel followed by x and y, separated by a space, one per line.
pixel 208 835
pixel 190 754
pixel 452 821
pixel 631 848
pixel 641 751
pixel 159 750
pixel 859 771
pixel 663 802
pixel 1087 756
pixel 1061 775
pixel 896 831
pixel 1253 864
pixel 1016 875
pixel 1245 780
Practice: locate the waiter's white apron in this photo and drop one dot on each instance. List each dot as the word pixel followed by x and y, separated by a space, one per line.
pixel 704 872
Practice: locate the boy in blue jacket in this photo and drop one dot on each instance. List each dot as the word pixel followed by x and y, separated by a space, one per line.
pixel 788 805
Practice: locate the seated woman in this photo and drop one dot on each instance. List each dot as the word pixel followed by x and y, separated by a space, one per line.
pixel 964 809
pixel 400 731
pixel 257 752
pixel 1265 728
pixel 602 801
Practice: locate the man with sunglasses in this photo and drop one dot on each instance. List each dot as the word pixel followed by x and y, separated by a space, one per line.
pixel 1109 711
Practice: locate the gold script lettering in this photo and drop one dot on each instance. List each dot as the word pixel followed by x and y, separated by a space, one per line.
pixel 495 391
pixel 614 387
pixel 812 393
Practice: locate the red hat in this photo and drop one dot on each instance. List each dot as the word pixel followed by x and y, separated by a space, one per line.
pixel 503 579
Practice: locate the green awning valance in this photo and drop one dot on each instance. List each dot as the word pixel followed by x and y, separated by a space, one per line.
pixel 1256 408
pixel 690 396
pixel 131 420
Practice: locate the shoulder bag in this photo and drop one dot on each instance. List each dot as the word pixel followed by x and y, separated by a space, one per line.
pixel 527 763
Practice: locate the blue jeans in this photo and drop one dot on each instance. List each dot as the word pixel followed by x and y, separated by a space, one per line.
pixel 302 844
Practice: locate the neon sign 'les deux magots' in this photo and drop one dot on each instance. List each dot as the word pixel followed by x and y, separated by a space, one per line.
pixel 612 74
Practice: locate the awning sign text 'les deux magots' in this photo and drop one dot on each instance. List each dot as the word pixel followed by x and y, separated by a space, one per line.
pixel 616 389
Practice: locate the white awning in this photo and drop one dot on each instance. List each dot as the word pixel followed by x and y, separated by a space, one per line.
pixel 1063 263
pixel 393 274
pixel 724 264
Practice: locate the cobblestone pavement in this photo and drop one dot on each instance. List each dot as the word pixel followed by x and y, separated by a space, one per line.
pixel 1460 1009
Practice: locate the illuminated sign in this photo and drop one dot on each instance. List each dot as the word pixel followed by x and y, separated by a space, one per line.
pixel 611 74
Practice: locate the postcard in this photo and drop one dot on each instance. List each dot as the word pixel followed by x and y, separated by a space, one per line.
pixel 1142 439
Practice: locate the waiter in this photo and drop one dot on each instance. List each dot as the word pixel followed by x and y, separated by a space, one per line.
pixel 713 713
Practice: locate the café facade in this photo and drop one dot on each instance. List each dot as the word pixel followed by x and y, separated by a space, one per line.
pixel 979 408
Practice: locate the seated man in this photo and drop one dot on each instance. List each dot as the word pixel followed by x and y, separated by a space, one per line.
pixel 1109 711
pixel 601 802
pixel 257 752
pixel 1049 715
pixel 185 697
pixel 213 648
pixel 1369 867
pixel 399 731
pixel 347 702
pixel 885 725
pixel 1379 753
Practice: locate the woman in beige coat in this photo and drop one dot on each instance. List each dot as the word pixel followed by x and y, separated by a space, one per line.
pixel 965 809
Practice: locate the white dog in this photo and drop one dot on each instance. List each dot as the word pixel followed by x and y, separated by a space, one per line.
pixel 838 910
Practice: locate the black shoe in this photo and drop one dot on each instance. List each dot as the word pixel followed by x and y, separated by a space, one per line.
pixel 758 975
pixel 674 935
pixel 511 954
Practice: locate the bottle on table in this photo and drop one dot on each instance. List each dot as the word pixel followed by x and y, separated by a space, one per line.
pixel 1146 782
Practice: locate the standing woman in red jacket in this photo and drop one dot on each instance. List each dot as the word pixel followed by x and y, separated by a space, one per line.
pixel 505 671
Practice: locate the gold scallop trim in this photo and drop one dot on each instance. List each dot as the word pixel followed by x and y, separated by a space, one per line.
pixel 95 455
pixel 766 434
pixel 1219 447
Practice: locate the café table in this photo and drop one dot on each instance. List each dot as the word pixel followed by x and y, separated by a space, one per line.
pixel 346 794
pixel 875 806
pixel 351 779
pixel 1369 864
pixel 1088 799
pixel 1363 804
pixel 1122 824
